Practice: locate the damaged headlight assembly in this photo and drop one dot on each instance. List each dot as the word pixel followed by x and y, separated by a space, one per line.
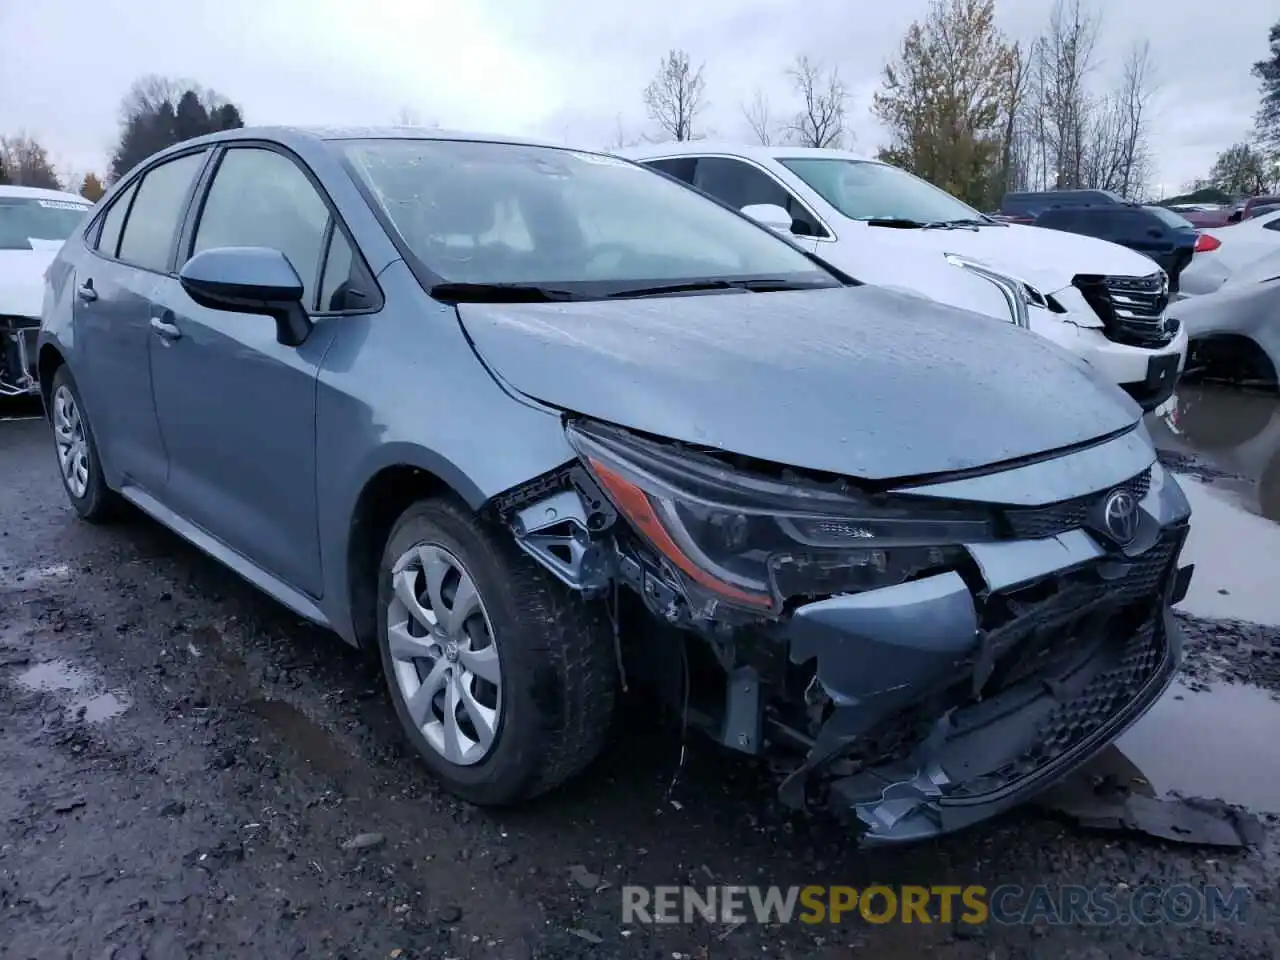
pixel 1018 294
pixel 751 543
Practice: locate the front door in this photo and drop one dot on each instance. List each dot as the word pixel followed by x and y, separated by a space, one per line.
pixel 236 408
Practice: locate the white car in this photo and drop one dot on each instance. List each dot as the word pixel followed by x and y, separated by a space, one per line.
pixel 1101 301
pixel 1235 247
pixel 33 225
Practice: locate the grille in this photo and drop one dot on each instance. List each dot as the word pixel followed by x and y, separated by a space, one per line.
pixel 1053 627
pixel 1131 308
pixel 1074 721
pixel 1034 523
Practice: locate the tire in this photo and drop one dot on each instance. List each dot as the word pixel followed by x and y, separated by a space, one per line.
pixel 557 670
pixel 96 502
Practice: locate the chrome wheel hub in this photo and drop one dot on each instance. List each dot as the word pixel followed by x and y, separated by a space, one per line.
pixel 445 663
pixel 72 446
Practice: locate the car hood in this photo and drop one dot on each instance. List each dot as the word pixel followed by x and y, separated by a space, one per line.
pixel 22 279
pixel 1047 259
pixel 861 381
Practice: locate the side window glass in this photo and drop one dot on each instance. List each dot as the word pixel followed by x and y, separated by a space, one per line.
pixel 260 198
pixel 335 278
pixel 109 236
pixel 740 184
pixel 679 167
pixel 157 210
pixel 1272 224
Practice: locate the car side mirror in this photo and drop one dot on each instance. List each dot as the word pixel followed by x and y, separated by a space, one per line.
pixel 769 215
pixel 250 280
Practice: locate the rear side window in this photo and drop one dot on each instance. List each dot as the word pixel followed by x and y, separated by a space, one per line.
pixel 109 236
pixel 156 212
pixel 740 185
pixel 679 167
pixel 1272 224
pixel 261 198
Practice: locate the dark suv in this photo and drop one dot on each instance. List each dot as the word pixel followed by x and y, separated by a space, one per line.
pixel 1025 207
pixel 1163 235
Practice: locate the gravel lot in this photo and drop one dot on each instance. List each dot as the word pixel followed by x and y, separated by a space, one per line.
pixel 184 768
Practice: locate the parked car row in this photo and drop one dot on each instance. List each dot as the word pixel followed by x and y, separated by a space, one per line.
pixel 536 423
pixel 1104 303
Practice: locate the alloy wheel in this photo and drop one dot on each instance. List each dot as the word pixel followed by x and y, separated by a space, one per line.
pixel 69 436
pixel 443 654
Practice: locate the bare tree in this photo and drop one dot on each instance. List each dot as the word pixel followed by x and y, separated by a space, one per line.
pixel 759 117
pixel 1063 62
pixel 1134 104
pixel 1013 163
pixel 675 96
pixel 824 99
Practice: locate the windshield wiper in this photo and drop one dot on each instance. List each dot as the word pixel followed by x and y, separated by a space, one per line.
pixel 754 285
pixel 500 293
pixel 906 223
pixel 977 222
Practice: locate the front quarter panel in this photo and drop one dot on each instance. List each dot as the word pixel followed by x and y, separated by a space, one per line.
pixel 403 387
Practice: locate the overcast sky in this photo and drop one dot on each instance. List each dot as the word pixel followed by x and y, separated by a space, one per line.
pixel 567 69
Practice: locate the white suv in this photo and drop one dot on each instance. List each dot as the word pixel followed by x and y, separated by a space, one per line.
pixel 1103 302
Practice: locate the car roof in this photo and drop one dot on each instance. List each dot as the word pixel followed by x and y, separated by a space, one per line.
pixel 750 151
pixel 292 135
pixel 303 138
pixel 40 193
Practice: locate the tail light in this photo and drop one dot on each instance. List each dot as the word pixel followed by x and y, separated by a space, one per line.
pixel 1205 243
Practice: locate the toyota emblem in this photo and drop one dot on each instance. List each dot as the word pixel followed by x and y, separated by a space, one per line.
pixel 1120 516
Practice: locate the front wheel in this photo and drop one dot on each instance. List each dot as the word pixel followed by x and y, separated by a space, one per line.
pixel 77 450
pixel 502 678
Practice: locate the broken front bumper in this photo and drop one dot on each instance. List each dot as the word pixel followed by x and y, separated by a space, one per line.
pixel 18 356
pixel 987 696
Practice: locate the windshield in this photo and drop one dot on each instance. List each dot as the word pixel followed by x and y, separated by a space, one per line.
pixel 1172 219
pixel 863 190
pixel 24 219
pixel 498 213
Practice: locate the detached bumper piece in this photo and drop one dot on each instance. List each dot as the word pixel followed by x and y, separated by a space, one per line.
pixel 989 701
pixel 18 356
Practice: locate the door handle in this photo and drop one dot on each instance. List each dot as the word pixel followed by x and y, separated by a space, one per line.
pixel 86 292
pixel 165 330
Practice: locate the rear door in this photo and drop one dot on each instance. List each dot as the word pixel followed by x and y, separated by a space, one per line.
pixel 128 264
pixel 237 409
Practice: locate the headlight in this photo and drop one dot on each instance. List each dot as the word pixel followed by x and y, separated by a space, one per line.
pixel 756 541
pixel 1018 294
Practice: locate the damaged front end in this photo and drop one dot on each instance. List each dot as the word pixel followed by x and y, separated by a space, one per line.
pixel 925 656
pixel 18 356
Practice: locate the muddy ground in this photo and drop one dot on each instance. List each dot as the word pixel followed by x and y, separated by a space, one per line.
pixel 184 766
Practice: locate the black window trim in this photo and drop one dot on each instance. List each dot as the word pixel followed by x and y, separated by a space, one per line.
pixel 93 233
pixel 831 236
pixel 187 235
pixel 94 229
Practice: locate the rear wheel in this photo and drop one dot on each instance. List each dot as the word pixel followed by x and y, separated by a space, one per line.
pixel 77 450
pixel 502 678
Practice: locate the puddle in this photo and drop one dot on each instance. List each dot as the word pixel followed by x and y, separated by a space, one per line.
pixel 1221 744
pixel 64 677
pixel 1235 556
pixel 1233 431
pixel 53 675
